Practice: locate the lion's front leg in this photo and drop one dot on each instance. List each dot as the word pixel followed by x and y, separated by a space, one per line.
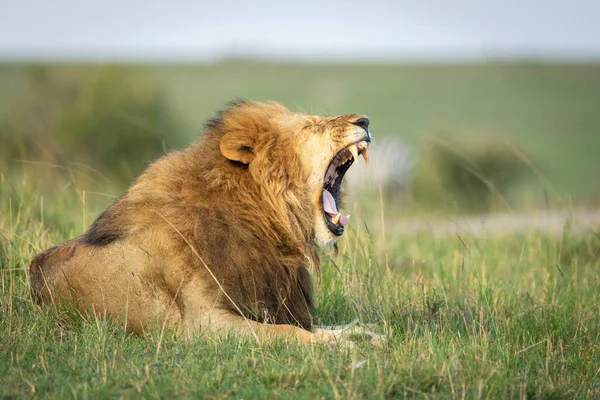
pixel 353 329
pixel 224 322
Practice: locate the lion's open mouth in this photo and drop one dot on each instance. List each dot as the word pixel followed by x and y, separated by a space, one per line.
pixel 333 182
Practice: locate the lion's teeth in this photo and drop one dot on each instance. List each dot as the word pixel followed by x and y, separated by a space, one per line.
pixel 336 219
pixel 344 220
pixel 365 155
pixel 354 150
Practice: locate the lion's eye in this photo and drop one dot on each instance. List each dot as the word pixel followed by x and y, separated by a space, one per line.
pixel 313 128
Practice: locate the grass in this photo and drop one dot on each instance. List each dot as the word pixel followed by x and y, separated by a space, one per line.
pixel 467 316
pixel 547 111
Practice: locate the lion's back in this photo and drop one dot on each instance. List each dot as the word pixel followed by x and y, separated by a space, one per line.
pixel 122 279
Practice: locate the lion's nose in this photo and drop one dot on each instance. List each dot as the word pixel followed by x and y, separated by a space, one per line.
pixel 363 123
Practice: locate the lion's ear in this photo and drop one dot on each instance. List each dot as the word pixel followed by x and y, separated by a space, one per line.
pixel 238 146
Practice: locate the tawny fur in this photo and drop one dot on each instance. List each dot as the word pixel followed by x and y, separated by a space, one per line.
pixel 219 235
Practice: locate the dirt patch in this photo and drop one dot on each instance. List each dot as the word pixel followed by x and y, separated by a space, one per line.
pixel 551 221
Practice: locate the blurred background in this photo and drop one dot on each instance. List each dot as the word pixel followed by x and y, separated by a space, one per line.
pixel 475 107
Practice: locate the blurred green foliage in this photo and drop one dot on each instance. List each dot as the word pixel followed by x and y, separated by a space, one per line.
pixel 475 176
pixel 515 135
pixel 111 119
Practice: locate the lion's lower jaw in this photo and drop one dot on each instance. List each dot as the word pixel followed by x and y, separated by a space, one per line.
pixel 323 236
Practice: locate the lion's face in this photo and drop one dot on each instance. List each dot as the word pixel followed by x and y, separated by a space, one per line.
pixel 328 146
pixel 312 153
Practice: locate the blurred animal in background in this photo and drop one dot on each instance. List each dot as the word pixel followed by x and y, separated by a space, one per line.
pixel 391 170
pixel 473 175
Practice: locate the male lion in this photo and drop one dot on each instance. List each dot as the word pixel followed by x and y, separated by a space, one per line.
pixel 220 235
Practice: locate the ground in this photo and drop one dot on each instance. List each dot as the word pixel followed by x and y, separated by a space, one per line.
pixel 474 306
pixel 476 315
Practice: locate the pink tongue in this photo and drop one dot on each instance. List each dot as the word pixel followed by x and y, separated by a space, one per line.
pixel 331 209
pixel 329 204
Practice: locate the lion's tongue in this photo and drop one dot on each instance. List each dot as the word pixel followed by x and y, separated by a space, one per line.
pixel 329 203
pixel 331 209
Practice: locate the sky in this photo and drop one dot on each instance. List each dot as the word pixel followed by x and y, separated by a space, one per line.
pixel 347 30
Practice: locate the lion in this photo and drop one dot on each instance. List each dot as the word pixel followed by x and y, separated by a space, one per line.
pixel 221 235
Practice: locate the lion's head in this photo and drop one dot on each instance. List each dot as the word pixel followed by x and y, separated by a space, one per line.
pixel 293 152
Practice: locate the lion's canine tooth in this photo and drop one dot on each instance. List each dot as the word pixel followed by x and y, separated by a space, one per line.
pixel 336 219
pixel 344 220
pixel 365 155
pixel 354 150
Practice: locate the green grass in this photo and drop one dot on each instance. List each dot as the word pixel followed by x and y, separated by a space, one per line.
pixel 467 316
pixel 514 316
pixel 549 111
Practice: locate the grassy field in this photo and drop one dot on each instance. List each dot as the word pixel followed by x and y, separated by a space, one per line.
pixel 549 112
pixel 467 316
